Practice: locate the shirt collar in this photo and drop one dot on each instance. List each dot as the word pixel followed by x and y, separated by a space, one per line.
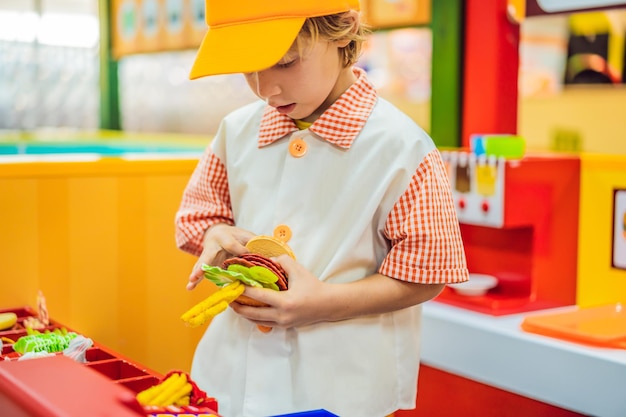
pixel 339 124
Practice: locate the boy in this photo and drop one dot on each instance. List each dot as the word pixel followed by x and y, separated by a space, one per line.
pixel 355 188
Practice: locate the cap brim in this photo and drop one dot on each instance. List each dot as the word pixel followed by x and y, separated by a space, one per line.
pixel 244 48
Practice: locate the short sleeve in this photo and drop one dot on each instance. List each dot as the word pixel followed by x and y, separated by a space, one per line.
pixel 426 243
pixel 205 202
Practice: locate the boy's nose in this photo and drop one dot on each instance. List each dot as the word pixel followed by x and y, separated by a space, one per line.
pixel 266 85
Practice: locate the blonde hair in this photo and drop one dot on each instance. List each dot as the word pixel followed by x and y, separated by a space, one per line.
pixel 335 27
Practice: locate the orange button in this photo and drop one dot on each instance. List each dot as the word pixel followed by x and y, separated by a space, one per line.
pixel 282 232
pixel 297 148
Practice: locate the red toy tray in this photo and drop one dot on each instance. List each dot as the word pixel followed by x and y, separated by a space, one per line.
pixel 115 367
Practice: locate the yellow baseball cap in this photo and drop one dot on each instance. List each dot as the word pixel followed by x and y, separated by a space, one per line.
pixel 252 35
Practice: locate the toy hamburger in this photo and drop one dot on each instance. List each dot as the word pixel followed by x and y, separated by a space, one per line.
pixel 255 269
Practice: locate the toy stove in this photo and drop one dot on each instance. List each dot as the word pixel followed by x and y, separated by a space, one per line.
pixel 519 222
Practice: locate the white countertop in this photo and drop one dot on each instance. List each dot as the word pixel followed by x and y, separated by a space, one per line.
pixel 496 351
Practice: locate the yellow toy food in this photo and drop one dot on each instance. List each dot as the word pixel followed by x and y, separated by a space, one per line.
pixel 7 320
pixel 213 305
pixel 174 390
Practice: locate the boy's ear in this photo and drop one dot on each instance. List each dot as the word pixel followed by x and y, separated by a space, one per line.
pixel 343 43
pixel 353 16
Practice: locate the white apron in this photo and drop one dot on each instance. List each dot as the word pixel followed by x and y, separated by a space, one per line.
pixel 336 202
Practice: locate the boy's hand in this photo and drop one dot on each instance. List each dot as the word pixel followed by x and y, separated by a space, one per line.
pixel 309 300
pixel 221 241
pixel 298 306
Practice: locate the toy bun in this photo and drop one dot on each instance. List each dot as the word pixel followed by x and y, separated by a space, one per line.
pixel 244 299
pixel 269 246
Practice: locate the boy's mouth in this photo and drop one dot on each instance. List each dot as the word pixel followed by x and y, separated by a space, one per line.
pixel 286 109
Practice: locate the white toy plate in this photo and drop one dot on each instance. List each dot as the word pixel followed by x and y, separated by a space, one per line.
pixel 478 284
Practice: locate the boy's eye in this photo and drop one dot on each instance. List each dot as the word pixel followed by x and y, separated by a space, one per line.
pixel 286 64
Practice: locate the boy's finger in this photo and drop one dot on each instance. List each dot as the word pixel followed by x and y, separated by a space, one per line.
pixel 194 279
pixel 287 263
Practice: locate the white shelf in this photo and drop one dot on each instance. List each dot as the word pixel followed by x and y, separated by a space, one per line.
pixel 497 352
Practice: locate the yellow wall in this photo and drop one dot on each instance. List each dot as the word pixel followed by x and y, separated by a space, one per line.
pixel 598 282
pixel 98 239
pixel 596 113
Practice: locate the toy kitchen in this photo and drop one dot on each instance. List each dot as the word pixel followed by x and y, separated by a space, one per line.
pixel 519 222
pixel 544 240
